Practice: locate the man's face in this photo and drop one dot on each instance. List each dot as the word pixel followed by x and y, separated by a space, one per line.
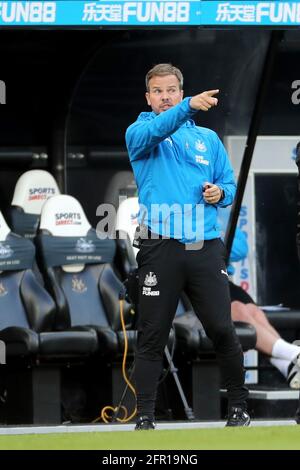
pixel 164 93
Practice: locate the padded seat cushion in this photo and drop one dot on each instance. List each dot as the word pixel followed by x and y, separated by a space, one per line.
pixel 19 341
pixel 289 319
pixel 131 337
pixel 107 338
pixel 69 343
pixel 246 334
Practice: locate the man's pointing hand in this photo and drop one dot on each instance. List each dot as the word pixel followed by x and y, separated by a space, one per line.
pixel 204 101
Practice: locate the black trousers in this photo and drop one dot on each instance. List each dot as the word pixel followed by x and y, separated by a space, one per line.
pixel 166 268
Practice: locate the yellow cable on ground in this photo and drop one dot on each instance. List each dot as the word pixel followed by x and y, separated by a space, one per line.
pixel 108 411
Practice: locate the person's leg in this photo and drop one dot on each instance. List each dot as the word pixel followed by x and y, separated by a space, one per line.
pixel 265 338
pixel 261 318
pixel 239 295
pixel 208 291
pixel 283 355
pixel 160 279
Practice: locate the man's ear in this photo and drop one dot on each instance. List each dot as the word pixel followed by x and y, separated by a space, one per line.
pixel 147 98
pixel 182 94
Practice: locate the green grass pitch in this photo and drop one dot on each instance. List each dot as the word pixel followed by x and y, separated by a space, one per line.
pixel 277 437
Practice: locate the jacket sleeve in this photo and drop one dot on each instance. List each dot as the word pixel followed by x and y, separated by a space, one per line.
pixel 239 248
pixel 224 176
pixel 143 135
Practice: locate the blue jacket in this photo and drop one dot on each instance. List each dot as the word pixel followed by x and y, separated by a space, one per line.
pixel 171 159
pixel 239 249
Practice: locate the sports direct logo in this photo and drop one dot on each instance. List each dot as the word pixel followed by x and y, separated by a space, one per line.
pixel 65 218
pixel 38 194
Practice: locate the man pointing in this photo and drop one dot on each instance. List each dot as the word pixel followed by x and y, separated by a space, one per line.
pixel 185 169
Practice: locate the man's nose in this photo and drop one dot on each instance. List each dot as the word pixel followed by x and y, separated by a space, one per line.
pixel 165 96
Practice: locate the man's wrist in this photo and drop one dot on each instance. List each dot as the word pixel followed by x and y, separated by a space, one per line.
pixel 222 194
pixel 194 110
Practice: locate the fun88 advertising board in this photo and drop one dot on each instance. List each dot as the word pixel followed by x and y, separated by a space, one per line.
pixel 105 13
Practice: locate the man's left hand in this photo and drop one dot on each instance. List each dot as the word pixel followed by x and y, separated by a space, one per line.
pixel 211 193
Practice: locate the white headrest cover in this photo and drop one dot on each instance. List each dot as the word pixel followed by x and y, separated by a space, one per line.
pixel 4 228
pixel 63 216
pixel 127 217
pixel 33 188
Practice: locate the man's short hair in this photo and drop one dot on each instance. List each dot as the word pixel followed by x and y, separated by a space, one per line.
pixel 161 70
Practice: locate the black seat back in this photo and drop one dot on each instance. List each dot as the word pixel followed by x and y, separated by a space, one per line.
pixel 12 310
pixel 78 267
pixel 23 301
pixel 81 292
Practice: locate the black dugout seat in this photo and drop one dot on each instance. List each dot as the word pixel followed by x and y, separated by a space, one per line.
pixel 19 316
pixel 78 273
pixel 121 185
pixel 285 320
pixel 27 310
pixel 27 314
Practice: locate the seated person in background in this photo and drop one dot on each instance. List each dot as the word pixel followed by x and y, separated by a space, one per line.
pixel 283 355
